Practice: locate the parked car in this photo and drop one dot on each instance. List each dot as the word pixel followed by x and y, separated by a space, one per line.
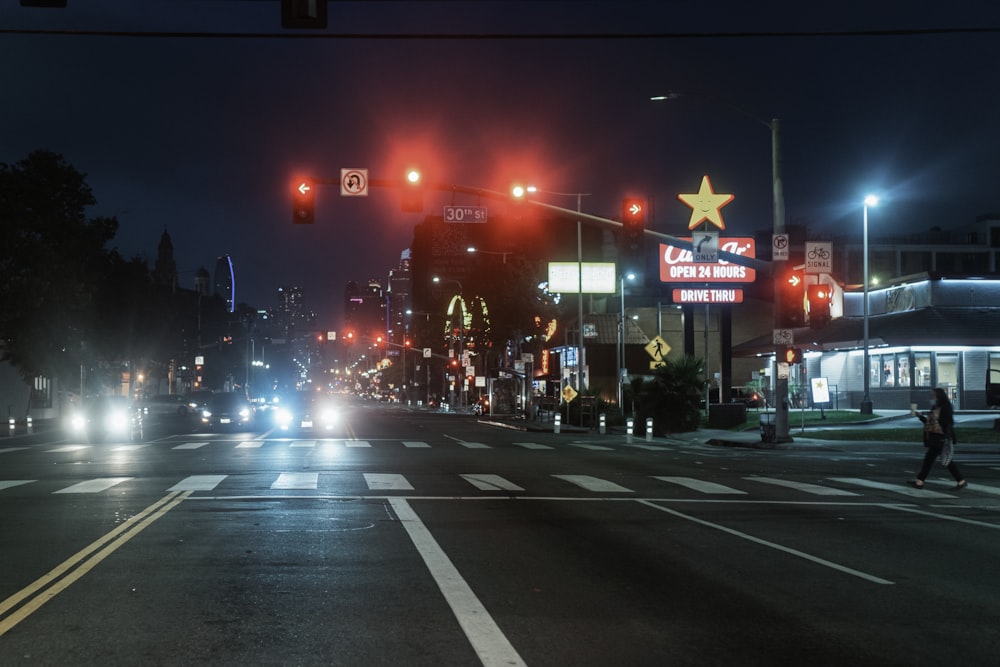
pixel 228 410
pixel 106 419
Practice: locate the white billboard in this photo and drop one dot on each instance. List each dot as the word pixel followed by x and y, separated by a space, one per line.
pixel 598 277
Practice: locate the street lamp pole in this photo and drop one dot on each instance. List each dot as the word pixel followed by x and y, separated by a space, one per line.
pixel 866 401
pixel 582 358
pixel 461 338
pixel 622 371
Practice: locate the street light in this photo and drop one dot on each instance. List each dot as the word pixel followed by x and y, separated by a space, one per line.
pixel 461 336
pixel 582 359
pixel 622 371
pixel 473 249
pixel 778 207
pixel 866 402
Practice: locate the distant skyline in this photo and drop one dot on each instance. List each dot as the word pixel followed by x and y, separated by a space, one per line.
pixel 180 125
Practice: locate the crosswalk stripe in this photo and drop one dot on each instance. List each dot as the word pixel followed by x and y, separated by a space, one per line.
pixel 474 445
pixel 296 480
pixel 198 483
pixel 11 449
pixel 386 482
pixel 491 483
pixel 66 448
pixel 11 483
pixel 191 445
pixel 128 448
pixel 596 448
pixel 814 489
pixel 532 445
pixel 303 443
pixel 94 485
pixel 249 444
pixel 651 448
pixel 700 485
pixel 895 488
pixel 414 444
pixel 357 443
pixel 992 490
pixel 590 483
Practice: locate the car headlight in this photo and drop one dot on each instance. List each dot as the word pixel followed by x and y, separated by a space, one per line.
pixel 283 417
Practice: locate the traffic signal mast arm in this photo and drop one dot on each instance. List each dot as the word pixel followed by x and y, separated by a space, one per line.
pixel 752 262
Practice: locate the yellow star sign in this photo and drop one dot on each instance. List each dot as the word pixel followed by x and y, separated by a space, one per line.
pixel 706 205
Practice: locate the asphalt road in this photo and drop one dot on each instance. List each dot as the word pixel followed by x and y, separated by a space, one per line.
pixel 432 539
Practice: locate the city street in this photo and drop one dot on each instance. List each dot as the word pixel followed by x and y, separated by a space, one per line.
pixel 418 538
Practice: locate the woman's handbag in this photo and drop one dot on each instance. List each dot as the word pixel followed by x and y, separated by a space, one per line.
pixel 947 451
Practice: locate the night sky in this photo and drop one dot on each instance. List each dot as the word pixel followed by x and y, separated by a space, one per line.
pixel 194 117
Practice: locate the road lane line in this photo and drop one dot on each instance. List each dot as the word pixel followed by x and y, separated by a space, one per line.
pixel 246 444
pixel 814 489
pixel 357 443
pixel 756 540
pixel 596 448
pixel 113 540
pixel 485 482
pixel 488 641
pixel 11 483
pixel 5 450
pixel 702 486
pixel 594 484
pixel 895 488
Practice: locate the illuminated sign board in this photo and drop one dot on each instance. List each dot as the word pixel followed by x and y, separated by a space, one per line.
pixel 598 277
pixel 678 266
pixel 708 295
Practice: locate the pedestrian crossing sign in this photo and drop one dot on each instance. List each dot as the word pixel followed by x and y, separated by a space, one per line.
pixel 657 349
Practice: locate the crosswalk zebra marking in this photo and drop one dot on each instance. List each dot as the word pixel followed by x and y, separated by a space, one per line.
pixel 596 448
pixel 198 483
pixel 532 445
pixel 357 443
pixel 992 490
pixel 94 485
pixel 191 445
pixel 11 449
pixel 596 484
pixel 128 448
pixel 296 480
pixel 485 482
pixel 250 444
pixel 66 448
pixel 814 489
pixel 895 488
pixel 11 483
pixel 415 444
pixel 701 485
pixel 386 482
pixel 303 443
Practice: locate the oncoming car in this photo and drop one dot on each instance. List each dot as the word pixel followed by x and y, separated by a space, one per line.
pixel 106 418
pixel 306 411
pixel 228 410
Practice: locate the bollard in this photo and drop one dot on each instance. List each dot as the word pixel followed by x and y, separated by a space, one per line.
pixel 10 423
pixel 603 424
pixel 558 423
pixel 629 424
pixel 649 429
pixel 30 424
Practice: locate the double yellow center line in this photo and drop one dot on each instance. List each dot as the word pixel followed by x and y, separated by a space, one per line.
pixel 61 577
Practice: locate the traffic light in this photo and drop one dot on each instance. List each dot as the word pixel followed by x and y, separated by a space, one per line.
pixel 793 355
pixel 349 337
pixel 303 201
pixel 633 223
pixel 819 297
pixel 789 300
pixel 412 200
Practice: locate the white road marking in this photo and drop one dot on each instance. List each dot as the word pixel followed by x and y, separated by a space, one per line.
pixel 386 482
pixel 594 484
pixel 982 488
pixel 414 444
pixel 11 483
pixel 489 642
pixel 357 443
pixel 11 449
pixel 491 483
pixel 67 448
pixel 296 480
pixel 814 489
pixel 94 485
pixel 191 445
pixel 247 444
pixel 128 448
pixel 772 545
pixel 532 445
pixel 895 488
pixel 198 483
pixel 702 486
pixel 303 443
pixel 596 448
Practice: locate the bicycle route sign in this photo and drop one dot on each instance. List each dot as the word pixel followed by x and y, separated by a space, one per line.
pixel 819 258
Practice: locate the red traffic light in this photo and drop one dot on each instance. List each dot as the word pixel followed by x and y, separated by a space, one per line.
pixel 819 297
pixel 303 201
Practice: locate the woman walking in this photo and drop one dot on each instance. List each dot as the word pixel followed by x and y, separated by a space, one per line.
pixel 939 438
